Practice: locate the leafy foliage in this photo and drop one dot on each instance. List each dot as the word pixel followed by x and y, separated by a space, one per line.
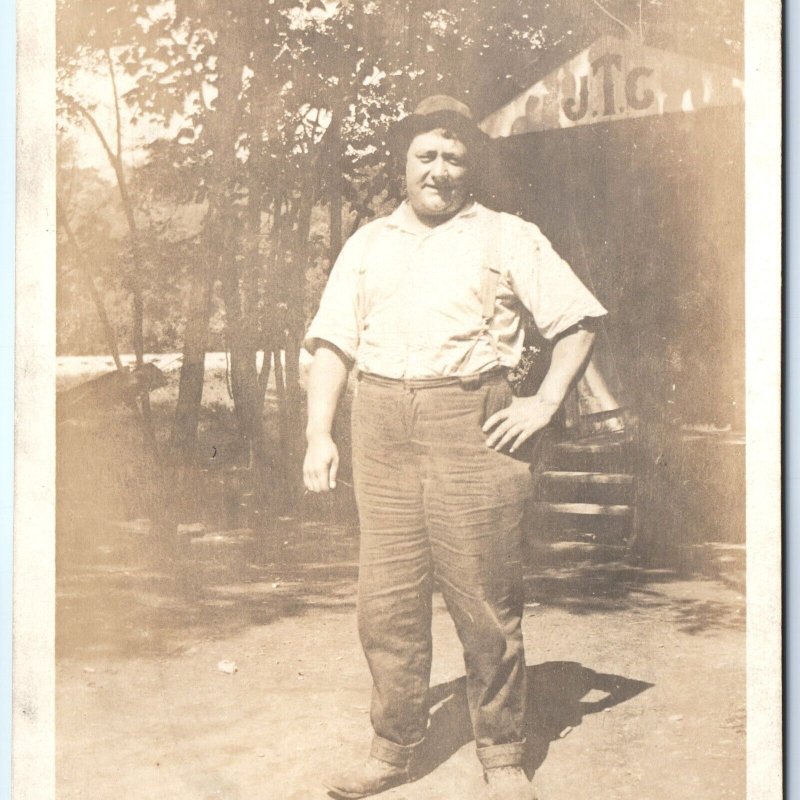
pixel 266 126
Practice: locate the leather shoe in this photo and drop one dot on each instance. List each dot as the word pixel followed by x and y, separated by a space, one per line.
pixel 508 783
pixel 366 779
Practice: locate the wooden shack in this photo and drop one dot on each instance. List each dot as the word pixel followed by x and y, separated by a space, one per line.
pixel 630 159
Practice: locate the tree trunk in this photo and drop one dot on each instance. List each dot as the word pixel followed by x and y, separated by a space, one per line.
pixel 190 387
pixel 244 368
pixel 335 217
pixel 241 292
pixel 294 337
pixel 97 299
pixel 221 130
pixel 284 436
pixel 135 276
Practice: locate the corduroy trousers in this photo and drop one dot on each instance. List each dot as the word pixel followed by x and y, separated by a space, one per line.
pixel 436 505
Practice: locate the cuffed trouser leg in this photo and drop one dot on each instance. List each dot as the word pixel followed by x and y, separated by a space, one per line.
pixel 474 500
pixel 395 578
pixel 398 755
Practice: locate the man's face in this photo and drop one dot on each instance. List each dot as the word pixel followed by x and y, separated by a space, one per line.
pixel 436 175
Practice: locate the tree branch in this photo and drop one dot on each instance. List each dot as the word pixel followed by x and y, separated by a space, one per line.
pixel 117 114
pixel 89 117
pixel 127 207
pixel 111 339
pixel 616 19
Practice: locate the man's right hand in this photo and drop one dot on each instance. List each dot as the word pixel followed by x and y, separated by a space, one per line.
pixel 321 463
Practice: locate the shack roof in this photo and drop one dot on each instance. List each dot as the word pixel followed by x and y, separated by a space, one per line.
pixel 615 79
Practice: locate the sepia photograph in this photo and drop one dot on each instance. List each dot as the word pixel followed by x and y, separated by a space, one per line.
pixel 400 405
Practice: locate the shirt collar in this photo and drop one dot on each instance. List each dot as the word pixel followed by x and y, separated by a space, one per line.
pixel 402 217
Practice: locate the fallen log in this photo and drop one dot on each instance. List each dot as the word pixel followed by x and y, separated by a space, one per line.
pixel 120 387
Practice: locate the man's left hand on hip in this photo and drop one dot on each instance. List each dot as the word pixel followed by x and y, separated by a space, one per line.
pixel 516 423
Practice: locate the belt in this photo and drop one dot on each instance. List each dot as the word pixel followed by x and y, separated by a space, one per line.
pixel 472 381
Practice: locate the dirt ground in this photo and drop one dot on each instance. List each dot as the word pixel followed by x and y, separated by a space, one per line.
pixel 637 680
pixel 637 676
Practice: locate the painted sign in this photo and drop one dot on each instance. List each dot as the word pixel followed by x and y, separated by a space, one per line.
pixel 615 79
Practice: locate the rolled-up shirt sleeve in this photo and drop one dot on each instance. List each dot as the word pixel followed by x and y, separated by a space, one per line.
pixel 336 320
pixel 544 283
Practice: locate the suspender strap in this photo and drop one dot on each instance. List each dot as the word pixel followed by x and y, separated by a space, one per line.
pixel 491 267
pixel 489 282
pixel 490 274
pixel 361 308
pixel 490 277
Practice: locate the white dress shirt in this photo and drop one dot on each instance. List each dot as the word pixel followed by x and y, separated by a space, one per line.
pixel 407 304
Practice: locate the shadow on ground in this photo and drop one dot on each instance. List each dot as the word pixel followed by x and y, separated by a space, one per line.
pixel 124 591
pixel 591 586
pixel 560 693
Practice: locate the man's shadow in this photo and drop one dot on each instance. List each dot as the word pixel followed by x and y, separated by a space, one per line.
pixel 559 694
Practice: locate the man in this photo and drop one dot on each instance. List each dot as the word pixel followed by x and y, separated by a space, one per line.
pixel 428 303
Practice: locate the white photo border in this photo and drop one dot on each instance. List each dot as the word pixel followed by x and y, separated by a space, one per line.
pixel 34 457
